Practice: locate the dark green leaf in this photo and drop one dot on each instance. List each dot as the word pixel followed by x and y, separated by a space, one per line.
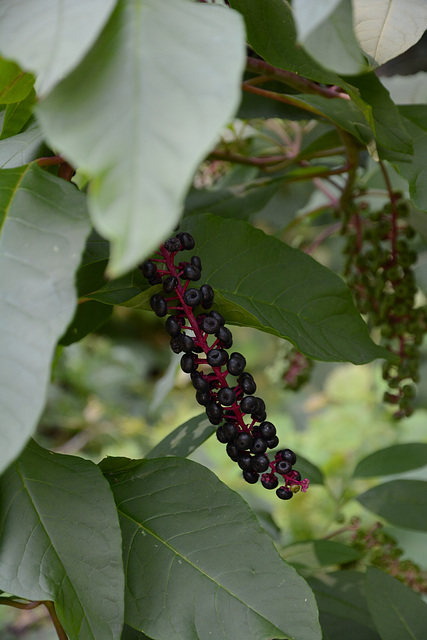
pixel 314 554
pixel 184 439
pixel 396 459
pixel 309 470
pixel 15 85
pixel 145 164
pixel 22 148
pixel 280 290
pixel 89 316
pixel 61 541
pixel 43 222
pixel 398 612
pixel 401 502
pixel 132 634
pixel 189 538
pixel 415 172
pixel 17 115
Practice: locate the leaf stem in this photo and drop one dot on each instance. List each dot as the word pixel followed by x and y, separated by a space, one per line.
pixel 58 626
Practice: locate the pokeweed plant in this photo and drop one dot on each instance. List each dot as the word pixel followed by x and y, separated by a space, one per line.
pixel 119 120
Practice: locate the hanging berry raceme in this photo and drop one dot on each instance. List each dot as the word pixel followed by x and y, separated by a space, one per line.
pixel 379 270
pixel 222 384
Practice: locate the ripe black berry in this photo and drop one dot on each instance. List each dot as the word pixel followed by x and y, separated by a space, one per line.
pixel 260 463
pixel 272 442
pixel 230 430
pixel 243 441
pixel 187 363
pixel 210 325
pixel 225 336
pixel 172 327
pixel 169 284
pixel 159 305
pixel 196 262
pixel 247 383
pixel 173 244
pixel 220 435
pixel 267 430
pixel 187 343
pixel 176 344
pixel 236 364
pixel 190 272
pixel 283 493
pixel 207 295
pixel 199 383
pixel 251 476
pixel 217 315
pixel 192 297
pixel 233 452
pixel 245 461
pixel 283 467
pixel 249 404
pixel 187 240
pixel 269 481
pixel 226 396
pixel 216 357
pixel 286 454
pixel 259 445
pixel 148 269
pixel 214 412
pixel 203 398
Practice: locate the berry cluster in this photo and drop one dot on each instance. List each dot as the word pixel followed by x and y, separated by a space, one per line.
pixel 379 271
pixel 222 385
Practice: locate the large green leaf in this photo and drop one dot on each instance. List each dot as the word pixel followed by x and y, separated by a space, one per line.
pixel 387 28
pixel 89 316
pixel 396 459
pixel 401 502
pixel 415 172
pixel 281 290
pixel 330 41
pixel 50 38
pixel 22 148
pixel 313 554
pixel 60 541
pixel 143 146
pixel 398 612
pixel 199 566
pixel 184 439
pixel 15 85
pixel 43 223
pixel 17 115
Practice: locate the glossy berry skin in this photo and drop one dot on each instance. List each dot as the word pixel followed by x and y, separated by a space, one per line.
pixel 216 357
pixel 269 481
pixel 248 404
pixel 247 383
pixel 260 463
pixel 230 430
pixel 233 452
pixel 187 240
pixel 284 494
pixel 172 327
pixel 196 262
pixel 272 442
pixel 187 363
pixel 283 467
pixel 225 336
pixel 221 436
pixel 159 305
pixel 207 296
pixel 190 272
pixel 243 441
pixel 218 316
pixel 214 412
pixel 245 461
pixel 203 398
pixel 210 325
pixel 169 284
pixel 251 476
pixel 267 430
pixel 192 297
pixel 148 269
pixel 236 364
pixel 287 454
pixel 199 383
pixel 226 396
pixel 259 445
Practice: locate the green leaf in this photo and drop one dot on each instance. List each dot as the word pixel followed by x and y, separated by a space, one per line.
pixel 192 542
pixel 396 459
pixel 281 290
pixel 50 38
pixel 415 171
pixel 407 89
pixel 184 439
pixel 398 612
pixel 387 28
pixel 21 148
pixel 309 470
pixel 401 502
pixel 314 554
pixel 271 32
pixel 17 115
pixel 61 541
pixel 393 141
pixel 145 164
pixel 43 223
pixel 342 606
pixel 15 85
pixel 330 39
pixel 89 316
pixel 132 634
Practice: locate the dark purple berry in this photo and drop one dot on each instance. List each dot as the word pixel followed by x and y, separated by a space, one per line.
pixel 230 430
pixel 269 481
pixel 207 295
pixel 251 476
pixel 236 364
pixel 190 272
pixel 203 398
pixel 218 316
pixel 210 325
pixel 247 383
pixel 156 279
pixel 225 336
pixel 260 463
pixel 187 343
pixel 267 430
pixel 259 445
pixel 220 435
pixel 159 305
pixel 196 262
pixel 245 461
pixel 192 297
pixel 199 383
pixel 187 240
pixel 249 404
pixel 172 245
pixel 172 327
pixel 176 344
pixel 272 442
pixel 226 396
pixel 283 493
pixel 148 268
pixel 283 467
pixel 169 284
pixel 187 363
pixel 243 441
pixel 286 454
pixel 233 452
pixel 216 357
pixel 214 412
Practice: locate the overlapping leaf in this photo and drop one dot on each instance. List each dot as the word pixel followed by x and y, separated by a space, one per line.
pixel 21 148
pixel 199 566
pixel 396 459
pixel 60 541
pixel 113 116
pixel 50 38
pixel 43 222
pixel 401 502
pixel 184 439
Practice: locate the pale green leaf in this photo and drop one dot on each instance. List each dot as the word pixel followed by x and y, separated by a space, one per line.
pixel 310 14
pixel 43 223
pixel 184 439
pixel 22 148
pixel 407 89
pixel 398 612
pixel 199 565
pixel 387 28
pixel 61 541
pixel 115 117
pixel 50 37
